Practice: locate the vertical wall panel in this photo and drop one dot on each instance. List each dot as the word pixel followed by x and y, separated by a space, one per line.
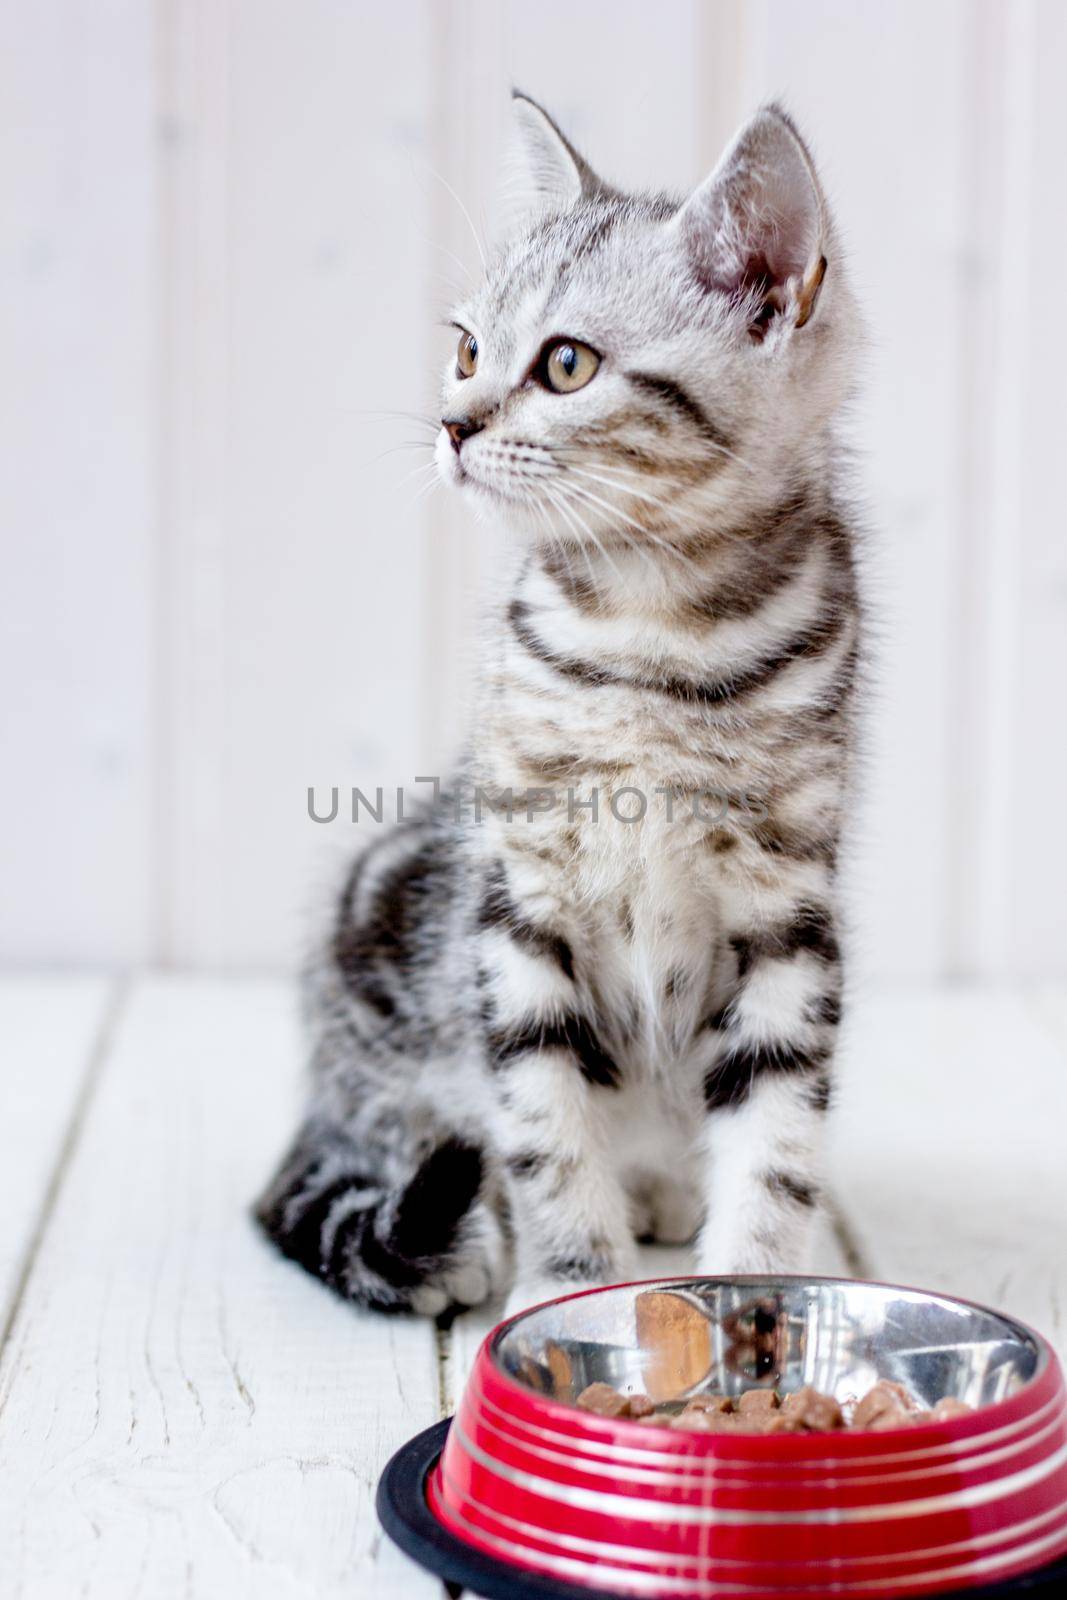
pixel 981 685
pixel 1033 837
pixel 297 316
pixel 76 500
pixel 193 44
pixel 227 231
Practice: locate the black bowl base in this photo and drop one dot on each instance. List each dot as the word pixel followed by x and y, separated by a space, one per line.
pixel 405 1515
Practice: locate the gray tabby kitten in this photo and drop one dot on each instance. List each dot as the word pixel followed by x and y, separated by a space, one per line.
pixel 612 1012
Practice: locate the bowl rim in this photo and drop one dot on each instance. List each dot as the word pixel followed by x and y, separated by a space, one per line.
pixel 632 1430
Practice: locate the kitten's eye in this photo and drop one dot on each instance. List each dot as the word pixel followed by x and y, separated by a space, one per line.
pixel 567 365
pixel 466 356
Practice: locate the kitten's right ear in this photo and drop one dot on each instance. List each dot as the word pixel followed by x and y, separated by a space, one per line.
pixel 553 176
pixel 758 228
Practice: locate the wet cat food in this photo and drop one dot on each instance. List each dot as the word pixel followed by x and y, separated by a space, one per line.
pixel 886 1405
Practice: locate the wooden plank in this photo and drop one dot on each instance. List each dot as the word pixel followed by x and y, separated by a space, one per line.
pixel 949 1148
pixel 181 1412
pixel 49 1028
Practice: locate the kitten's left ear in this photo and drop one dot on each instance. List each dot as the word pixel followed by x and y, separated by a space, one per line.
pixel 554 176
pixel 758 228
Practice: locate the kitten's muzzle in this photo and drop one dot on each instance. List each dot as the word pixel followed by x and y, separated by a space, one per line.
pixel 460 428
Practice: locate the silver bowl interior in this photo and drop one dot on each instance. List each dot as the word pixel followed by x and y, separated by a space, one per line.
pixel 680 1337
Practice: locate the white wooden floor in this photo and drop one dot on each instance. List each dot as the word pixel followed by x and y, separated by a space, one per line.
pixel 184 1414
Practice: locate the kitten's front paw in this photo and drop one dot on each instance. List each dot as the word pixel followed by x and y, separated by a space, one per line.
pixel 476 1271
pixel 456 1290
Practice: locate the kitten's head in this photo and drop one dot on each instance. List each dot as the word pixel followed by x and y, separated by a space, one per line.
pixel 634 363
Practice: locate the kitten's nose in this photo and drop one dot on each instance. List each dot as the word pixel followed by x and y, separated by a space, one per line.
pixel 460 428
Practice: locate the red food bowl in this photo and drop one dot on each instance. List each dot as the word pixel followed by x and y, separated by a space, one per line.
pixel 532 1495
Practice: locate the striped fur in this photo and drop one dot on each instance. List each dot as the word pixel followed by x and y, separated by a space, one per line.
pixel 612 1013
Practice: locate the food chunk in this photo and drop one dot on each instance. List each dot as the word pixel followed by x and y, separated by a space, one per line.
pixel 757 1402
pixel 886 1399
pixel 709 1402
pixel 886 1405
pixel 809 1411
pixel 604 1401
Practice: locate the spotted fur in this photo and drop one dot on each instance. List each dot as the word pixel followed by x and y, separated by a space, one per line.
pixel 607 1006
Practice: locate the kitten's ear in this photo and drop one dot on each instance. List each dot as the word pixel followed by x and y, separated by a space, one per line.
pixel 758 227
pixel 553 176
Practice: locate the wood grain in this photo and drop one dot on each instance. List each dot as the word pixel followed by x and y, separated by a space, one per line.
pixel 51 1029
pixel 181 1412
pixel 184 1414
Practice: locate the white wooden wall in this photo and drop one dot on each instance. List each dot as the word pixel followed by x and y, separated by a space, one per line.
pixel 226 229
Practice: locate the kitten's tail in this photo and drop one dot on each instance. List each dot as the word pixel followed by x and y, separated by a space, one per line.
pixel 430 1242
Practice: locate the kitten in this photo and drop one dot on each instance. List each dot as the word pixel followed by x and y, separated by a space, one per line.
pixel 613 1013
